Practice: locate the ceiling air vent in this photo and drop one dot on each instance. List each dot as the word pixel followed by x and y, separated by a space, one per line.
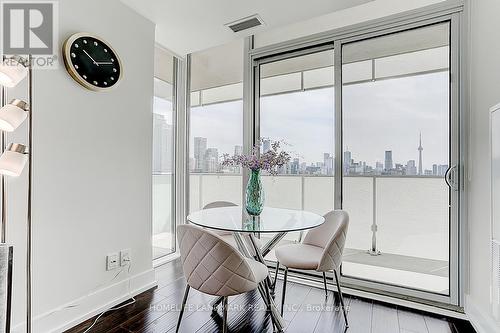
pixel 245 23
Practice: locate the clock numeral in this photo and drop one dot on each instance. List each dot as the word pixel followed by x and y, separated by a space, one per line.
pixel 96 83
pixel 73 55
pixel 84 41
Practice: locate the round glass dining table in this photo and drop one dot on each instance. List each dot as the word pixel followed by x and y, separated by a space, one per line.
pixel 271 220
pixel 278 221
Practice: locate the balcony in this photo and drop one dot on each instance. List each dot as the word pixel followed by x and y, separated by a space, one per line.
pixel 403 217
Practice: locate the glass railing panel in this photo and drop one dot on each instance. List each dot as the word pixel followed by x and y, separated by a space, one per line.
pixel 358 202
pixel 218 187
pixel 194 193
pixel 412 217
pixel 163 239
pixel 318 194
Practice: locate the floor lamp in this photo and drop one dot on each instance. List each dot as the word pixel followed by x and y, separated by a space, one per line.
pixel 15 156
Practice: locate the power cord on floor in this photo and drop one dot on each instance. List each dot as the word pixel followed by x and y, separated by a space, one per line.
pixel 71 306
pixel 132 301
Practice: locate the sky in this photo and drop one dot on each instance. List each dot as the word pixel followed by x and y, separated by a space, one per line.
pixel 378 116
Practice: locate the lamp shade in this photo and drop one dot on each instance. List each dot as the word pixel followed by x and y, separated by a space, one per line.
pixel 11 73
pixel 12 115
pixel 13 160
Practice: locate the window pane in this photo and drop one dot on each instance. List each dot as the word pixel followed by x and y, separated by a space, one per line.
pixel 396 140
pixel 163 157
pixel 303 121
pixel 216 124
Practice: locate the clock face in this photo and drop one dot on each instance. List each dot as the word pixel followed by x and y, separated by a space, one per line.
pixel 92 62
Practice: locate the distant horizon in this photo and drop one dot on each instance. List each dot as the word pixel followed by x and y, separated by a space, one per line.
pixel 378 116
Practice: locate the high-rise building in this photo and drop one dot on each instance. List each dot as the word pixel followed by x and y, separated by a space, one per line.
pixel 238 150
pixel 347 162
pixel 388 160
pixel 211 160
pixel 420 149
pixel 162 147
pixel 328 163
pixel 200 149
pixel 294 167
pixel 266 145
pixel 441 171
pixel 379 167
pixel 434 169
pixel 411 168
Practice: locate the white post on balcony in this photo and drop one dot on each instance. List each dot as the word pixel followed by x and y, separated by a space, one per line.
pixel 373 250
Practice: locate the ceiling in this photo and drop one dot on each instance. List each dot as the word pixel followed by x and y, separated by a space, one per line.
pixel 186 26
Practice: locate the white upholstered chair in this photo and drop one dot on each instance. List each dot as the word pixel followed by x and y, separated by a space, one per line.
pixel 214 267
pixel 228 235
pixel 321 251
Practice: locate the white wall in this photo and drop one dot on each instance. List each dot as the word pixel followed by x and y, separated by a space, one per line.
pixel 92 175
pixel 365 12
pixel 485 92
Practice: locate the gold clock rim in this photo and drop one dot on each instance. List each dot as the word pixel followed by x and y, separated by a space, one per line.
pixel 73 72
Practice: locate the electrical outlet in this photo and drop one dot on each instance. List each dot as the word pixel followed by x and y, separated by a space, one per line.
pixel 112 261
pixel 125 257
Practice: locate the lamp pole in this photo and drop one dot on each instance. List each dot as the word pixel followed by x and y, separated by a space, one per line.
pixel 29 209
pixel 3 100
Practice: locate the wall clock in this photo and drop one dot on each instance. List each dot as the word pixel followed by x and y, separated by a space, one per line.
pixel 92 62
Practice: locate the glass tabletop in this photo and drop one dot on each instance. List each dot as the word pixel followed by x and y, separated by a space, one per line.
pixel 271 220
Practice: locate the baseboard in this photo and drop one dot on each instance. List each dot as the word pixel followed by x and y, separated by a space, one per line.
pixel 482 322
pixel 65 317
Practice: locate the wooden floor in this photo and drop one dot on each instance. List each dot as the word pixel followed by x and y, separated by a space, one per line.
pixel 308 310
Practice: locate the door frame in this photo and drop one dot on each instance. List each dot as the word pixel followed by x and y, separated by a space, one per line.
pixel 434 14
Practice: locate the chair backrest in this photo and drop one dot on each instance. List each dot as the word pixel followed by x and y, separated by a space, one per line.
pixel 211 265
pixel 330 236
pixel 218 204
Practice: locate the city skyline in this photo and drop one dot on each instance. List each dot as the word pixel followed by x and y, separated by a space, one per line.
pixel 208 160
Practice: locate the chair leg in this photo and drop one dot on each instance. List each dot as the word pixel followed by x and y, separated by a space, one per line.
pixel 324 282
pixel 186 292
pixel 224 315
pixel 284 290
pixel 276 274
pixel 341 298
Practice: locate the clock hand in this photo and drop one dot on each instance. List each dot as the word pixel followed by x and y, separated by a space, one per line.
pixel 105 63
pixel 91 57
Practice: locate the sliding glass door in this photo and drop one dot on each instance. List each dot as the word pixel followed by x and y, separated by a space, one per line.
pixel 373 129
pixel 396 153
pixel 297 109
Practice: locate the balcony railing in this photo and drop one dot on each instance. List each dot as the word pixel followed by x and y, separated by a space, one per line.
pixel 403 217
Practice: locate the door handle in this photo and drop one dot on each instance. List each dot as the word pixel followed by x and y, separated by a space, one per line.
pixel 450 179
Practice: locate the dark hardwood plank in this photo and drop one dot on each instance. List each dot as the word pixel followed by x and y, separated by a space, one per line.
pixel 308 315
pixel 437 325
pixel 384 319
pixel 360 315
pixel 411 322
pixel 157 311
pixel 294 296
pixel 332 318
pixel 113 319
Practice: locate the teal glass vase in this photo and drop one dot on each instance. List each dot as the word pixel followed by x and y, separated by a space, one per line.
pixel 254 194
